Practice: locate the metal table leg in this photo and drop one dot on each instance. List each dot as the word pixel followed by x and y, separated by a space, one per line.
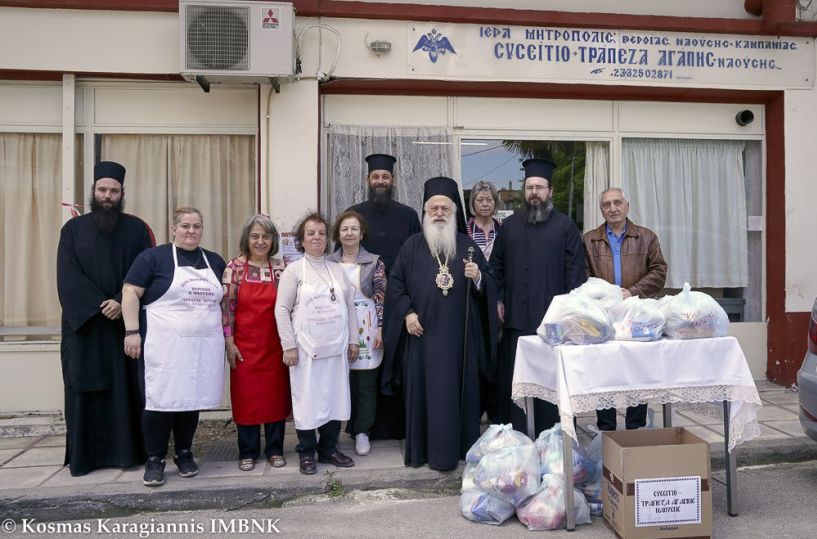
pixel 529 416
pixel 667 415
pixel 567 464
pixel 731 467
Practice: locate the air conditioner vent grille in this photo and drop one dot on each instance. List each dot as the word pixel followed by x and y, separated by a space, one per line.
pixel 217 37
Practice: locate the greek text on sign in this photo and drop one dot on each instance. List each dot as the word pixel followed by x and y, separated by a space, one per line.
pixel 668 500
pixel 519 53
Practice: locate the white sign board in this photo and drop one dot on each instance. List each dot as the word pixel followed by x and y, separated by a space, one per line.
pixel 668 500
pixel 519 53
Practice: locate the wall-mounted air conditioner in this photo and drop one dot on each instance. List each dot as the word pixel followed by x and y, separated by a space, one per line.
pixel 237 41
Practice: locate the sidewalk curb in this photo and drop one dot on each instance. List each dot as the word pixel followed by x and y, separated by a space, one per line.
pixel 108 501
pixel 268 491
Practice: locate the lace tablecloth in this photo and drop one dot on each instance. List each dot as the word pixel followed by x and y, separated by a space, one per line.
pixel 625 373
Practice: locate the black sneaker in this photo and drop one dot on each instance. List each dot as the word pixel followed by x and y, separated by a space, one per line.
pixel 185 463
pixel 154 472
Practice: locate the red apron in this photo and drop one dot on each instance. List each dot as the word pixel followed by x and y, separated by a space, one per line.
pixel 259 385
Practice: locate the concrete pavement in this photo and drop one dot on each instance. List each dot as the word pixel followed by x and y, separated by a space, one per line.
pixel 34 484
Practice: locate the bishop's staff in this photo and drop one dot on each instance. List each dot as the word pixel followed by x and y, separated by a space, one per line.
pixel 465 333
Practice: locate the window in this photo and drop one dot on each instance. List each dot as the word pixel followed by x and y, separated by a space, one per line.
pixel 214 173
pixel 500 163
pixel 30 210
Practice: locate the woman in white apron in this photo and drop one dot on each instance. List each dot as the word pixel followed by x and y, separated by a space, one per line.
pixel 179 337
pixel 367 274
pixel 316 318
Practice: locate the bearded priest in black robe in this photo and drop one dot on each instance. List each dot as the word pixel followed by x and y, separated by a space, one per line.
pixel 432 352
pixel 390 224
pixel 103 404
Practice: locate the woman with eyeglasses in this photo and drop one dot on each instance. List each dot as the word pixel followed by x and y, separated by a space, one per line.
pixel 483 227
pixel 259 380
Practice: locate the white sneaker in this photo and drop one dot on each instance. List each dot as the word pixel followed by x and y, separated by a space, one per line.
pixel 362 445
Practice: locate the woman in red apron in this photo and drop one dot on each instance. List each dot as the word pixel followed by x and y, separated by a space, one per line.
pixel 259 381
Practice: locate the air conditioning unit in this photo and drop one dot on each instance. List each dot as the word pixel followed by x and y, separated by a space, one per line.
pixel 230 41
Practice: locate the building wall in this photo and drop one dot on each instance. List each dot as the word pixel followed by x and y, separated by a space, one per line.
pixel 801 200
pixel 732 9
pixel 146 44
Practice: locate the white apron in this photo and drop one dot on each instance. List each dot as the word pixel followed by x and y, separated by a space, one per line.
pixel 368 358
pixel 184 345
pixel 320 381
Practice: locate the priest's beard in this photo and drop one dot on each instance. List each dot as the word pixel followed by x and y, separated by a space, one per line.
pixel 441 237
pixel 106 219
pixel 381 196
pixel 538 213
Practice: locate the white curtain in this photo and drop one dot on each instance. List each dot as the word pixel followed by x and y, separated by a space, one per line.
pixel 421 152
pixel 214 173
pixel 31 214
pixel 596 180
pixel 692 194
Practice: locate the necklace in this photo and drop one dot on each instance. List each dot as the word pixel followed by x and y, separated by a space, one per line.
pixel 445 281
pixel 330 283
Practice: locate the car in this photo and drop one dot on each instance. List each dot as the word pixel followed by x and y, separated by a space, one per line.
pixel 807 380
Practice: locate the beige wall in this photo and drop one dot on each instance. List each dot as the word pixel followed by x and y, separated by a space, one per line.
pixel 732 9
pixel 89 40
pixel 801 199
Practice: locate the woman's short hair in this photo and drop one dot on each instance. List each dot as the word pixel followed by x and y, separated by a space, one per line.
pixel 300 229
pixel 481 187
pixel 364 227
pixel 268 226
pixel 185 210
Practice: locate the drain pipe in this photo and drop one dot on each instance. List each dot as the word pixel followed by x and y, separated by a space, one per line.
pixel 776 13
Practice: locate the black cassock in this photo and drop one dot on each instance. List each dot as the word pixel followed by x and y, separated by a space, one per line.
pixel 441 424
pixel 532 263
pixel 389 228
pixel 103 405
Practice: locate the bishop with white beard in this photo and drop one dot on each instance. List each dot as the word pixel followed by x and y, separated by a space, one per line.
pixel 436 273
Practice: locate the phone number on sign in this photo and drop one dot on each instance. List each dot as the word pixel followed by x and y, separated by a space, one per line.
pixel 642 73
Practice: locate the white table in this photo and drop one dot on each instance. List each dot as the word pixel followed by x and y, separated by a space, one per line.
pixel 617 374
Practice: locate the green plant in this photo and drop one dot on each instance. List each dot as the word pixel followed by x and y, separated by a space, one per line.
pixel 333 486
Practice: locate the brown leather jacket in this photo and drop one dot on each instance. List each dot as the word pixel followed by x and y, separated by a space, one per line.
pixel 643 268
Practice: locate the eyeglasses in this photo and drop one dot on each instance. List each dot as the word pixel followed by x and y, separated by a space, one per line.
pixel 537 188
pixel 265 237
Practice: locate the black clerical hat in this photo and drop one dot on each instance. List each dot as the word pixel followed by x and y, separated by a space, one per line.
pixel 542 168
pixel 447 188
pixel 109 169
pixel 381 161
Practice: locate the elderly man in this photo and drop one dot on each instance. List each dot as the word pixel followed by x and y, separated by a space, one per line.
pixel 538 255
pixel 431 349
pixel 629 256
pixel 103 406
pixel 390 223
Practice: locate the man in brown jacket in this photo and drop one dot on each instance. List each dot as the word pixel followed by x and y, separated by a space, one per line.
pixel 628 255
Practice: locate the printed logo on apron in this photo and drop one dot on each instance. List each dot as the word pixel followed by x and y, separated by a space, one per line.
pixel 368 357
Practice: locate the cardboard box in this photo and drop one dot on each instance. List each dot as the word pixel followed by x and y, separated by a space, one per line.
pixel 656 484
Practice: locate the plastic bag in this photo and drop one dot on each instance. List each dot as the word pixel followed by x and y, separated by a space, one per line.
pixel 693 315
pixel 546 509
pixel 510 474
pixel 482 507
pixel 494 438
pixel 551 456
pixel 468 484
pixel 574 318
pixel 600 290
pixel 636 319
pixel 592 488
